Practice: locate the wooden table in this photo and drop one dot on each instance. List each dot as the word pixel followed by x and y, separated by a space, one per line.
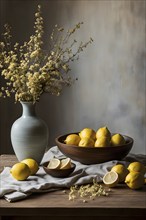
pixel 122 203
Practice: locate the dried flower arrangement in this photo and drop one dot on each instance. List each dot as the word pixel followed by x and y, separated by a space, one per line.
pixel 29 71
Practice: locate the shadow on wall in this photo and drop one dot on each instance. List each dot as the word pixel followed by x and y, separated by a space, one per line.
pixel 111 72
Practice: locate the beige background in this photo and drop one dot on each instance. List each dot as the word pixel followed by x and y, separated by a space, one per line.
pixel 111 72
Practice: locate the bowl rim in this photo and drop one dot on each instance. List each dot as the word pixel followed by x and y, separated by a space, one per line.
pixel 44 165
pixel 130 141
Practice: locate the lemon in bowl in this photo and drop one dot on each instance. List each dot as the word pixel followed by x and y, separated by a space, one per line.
pixel 103 132
pixel 117 139
pixel 59 168
pixel 91 154
pixel 87 133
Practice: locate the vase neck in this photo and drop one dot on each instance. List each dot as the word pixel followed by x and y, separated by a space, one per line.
pixel 28 109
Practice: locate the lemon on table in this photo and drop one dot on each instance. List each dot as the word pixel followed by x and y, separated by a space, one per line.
pixel 102 142
pixel 32 164
pixel 65 163
pixel 117 139
pixel 86 142
pixel 54 164
pixel 72 139
pixel 20 171
pixel 88 133
pixel 111 179
pixel 121 170
pixel 137 166
pixel 103 132
pixel 134 180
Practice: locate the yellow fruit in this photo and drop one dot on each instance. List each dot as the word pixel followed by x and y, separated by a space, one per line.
pixel 111 179
pixel 86 142
pixel 54 164
pixel 72 139
pixel 103 132
pixel 32 164
pixel 20 171
pixel 134 180
pixel 65 163
pixel 121 170
pixel 88 133
pixel 102 142
pixel 117 139
pixel 137 167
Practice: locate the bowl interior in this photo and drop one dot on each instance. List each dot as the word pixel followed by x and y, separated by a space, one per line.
pixel 58 172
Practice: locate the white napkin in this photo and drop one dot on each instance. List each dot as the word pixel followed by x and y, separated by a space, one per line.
pixel 13 190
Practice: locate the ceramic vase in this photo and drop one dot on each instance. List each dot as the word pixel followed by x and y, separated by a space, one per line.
pixel 29 134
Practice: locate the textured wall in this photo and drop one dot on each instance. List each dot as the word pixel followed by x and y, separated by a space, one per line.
pixel 111 72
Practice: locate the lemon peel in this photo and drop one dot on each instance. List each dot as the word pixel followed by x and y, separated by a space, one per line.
pixel 103 131
pixel 121 170
pixel 102 142
pixel 135 180
pixel 137 166
pixel 72 139
pixel 86 142
pixel 32 164
pixel 20 171
pixel 117 139
pixel 87 133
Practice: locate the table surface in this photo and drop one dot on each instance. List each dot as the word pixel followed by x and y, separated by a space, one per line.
pixel 121 201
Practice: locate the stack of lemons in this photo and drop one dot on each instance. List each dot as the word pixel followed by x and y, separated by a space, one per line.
pixel 101 138
pixel 133 175
pixel 21 171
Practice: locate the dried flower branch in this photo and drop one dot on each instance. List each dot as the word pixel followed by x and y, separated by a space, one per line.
pixel 29 70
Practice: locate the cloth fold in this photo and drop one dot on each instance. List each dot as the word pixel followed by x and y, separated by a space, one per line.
pixel 13 190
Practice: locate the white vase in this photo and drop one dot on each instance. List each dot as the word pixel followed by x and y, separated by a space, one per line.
pixel 29 134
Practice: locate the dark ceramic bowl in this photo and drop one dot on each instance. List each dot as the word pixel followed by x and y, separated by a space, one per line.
pixel 58 172
pixel 94 155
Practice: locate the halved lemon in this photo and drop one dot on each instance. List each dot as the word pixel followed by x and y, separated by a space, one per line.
pixel 65 163
pixel 54 164
pixel 111 179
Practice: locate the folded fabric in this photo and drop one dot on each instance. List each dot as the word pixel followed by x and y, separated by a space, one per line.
pixel 13 190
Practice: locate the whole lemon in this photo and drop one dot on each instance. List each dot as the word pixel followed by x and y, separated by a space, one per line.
pixel 134 180
pixel 117 139
pixel 86 142
pixel 88 132
pixel 137 166
pixel 32 164
pixel 121 170
pixel 72 139
pixel 102 142
pixel 103 131
pixel 20 171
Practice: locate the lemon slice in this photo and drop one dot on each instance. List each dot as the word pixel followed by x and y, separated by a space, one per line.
pixel 111 179
pixel 65 163
pixel 54 164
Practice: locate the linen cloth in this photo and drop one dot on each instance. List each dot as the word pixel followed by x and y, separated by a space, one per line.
pixel 13 190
